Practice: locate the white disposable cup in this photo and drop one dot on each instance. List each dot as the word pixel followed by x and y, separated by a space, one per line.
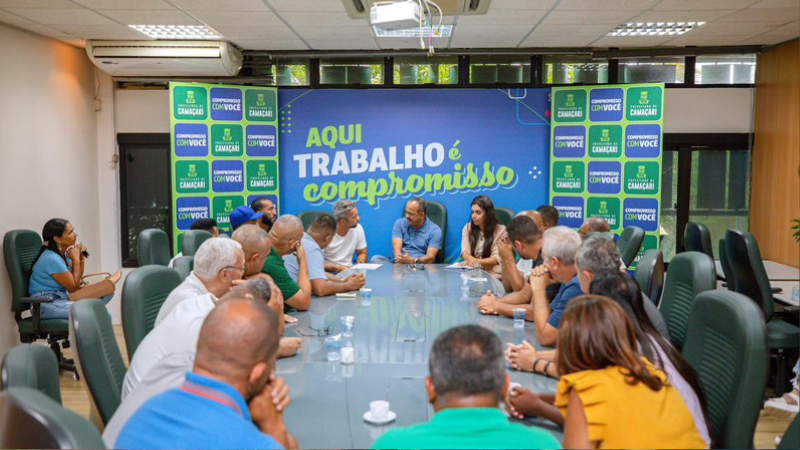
pixel 348 355
pixel 379 409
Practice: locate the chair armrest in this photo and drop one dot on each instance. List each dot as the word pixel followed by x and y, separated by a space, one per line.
pixel 35 300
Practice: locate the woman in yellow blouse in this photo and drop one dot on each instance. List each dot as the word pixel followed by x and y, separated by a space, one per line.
pixel 480 236
pixel 609 395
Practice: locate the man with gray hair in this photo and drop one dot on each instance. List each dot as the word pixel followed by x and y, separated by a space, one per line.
pixel 560 244
pixel 467 381
pixel 217 264
pixel 348 239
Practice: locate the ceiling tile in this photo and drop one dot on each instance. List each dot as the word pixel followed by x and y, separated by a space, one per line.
pixel 574 30
pixel 763 15
pixel 767 39
pixel 12 19
pixel 550 40
pixel 75 42
pixel 128 17
pixel 792 28
pixel 587 17
pixel 486 37
pixel 126 4
pixel 343 44
pixel 605 5
pixel 220 5
pixel 271 44
pixel 504 17
pixel 333 32
pixel 695 40
pixel 39 4
pixel 408 43
pixel 62 16
pixel 235 32
pixel 690 5
pixel 522 4
pixel 627 41
pixel 110 32
pixel 252 18
pixel 722 29
pixel 307 19
pixel 44 31
pixel 775 4
pixel 681 16
pixel 306 5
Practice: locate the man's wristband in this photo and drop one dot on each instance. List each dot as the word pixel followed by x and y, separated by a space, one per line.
pixel 535 361
pixel 547 366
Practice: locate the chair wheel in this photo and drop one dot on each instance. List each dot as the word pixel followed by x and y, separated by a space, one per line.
pixel 74 377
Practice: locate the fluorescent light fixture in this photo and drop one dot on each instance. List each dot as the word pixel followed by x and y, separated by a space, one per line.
pixel 654 28
pixel 177 31
pixel 440 32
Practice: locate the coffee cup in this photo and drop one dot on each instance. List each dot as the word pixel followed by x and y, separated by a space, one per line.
pixel 379 410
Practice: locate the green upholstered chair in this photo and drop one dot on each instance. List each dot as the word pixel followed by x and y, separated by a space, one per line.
pixel 726 344
pixel 504 215
pixel 192 240
pixel 437 213
pixel 153 247
pixel 143 293
pixel 629 243
pixel 33 366
pixel 697 238
pixel 31 419
pixel 98 357
pixel 650 274
pixel 791 439
pixel 689 274
pixel 20 249
pixel 751 280
pixel 309 216
pixel 726 266
pixel 184 266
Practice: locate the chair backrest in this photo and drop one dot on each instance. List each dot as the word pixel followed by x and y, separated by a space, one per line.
pixel 20 249
pixel 97 355
pixel 33 366
pixel 504 215
pixel 437 213
pixel 153 247
pixel 650 274
pixel 689 274
pixel 629 243
pixel 309 216
pixel 726 344
pixel 192 240
pixel 726 266
pixel 184 266
pixel 143 293
pixel 791 439
pixel 31 419
pixel 697 238
pixel 748 270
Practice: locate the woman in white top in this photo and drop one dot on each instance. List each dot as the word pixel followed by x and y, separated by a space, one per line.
pixel 480 236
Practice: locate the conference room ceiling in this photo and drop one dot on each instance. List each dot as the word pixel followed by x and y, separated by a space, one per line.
pixel 326 24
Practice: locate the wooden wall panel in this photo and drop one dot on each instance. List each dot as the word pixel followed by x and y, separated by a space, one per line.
pixel 775 188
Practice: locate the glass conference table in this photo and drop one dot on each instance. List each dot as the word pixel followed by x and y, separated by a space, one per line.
pixel 392 337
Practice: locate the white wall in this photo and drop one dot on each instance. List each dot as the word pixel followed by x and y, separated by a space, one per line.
pixel 48 147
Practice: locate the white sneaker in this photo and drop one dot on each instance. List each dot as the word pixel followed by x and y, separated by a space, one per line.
pixel 786 406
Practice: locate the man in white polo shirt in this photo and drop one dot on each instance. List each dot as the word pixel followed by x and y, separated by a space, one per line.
pixel 348 239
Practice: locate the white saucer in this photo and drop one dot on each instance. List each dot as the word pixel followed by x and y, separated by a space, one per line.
pixel 390 418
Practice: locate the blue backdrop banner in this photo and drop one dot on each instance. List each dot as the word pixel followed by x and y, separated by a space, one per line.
pixel 381 147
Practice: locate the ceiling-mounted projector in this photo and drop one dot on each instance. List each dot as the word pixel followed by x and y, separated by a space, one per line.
pixel 395 15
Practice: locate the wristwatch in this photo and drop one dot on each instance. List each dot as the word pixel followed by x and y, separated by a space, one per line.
pixel 416 260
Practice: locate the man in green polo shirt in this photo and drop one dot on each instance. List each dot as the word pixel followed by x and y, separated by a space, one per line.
pixel 466 383
pixel 286 236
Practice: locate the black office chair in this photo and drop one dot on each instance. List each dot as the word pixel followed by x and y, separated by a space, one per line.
pixel 697 238
pixel 751 278
pixel 33 366
pixel 650 274
pixel 730 281
pixel 20 249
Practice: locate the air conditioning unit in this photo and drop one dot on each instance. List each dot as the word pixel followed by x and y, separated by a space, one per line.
pixel 165 58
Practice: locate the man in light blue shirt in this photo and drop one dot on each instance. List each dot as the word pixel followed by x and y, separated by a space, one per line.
pixel 415 239
pixel 320 234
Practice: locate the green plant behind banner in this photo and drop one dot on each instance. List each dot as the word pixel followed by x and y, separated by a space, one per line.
pixel 796 228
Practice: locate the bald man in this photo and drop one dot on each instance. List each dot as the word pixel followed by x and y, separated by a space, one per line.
pixel 286 237
pixel 594 225
pixel 228 400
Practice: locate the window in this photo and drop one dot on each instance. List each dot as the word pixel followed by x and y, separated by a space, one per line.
pixel 424 70
pixel 144 189
pixel 669 203
pixel 652 70
pixel 291 73
pixel 502 70
pixel 727 69
pixel 339 71
pixel 574 69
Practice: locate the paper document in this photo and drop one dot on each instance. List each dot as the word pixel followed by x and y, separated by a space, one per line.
pixel 365 266
pixel 458 266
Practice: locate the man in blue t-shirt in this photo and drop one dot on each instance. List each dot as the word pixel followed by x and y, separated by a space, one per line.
pixel 231 398
pixel 415 239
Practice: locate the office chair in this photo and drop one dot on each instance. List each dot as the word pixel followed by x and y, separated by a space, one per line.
pixel 33 366
pixel 697 238
pixel 184 266
pixel 143 293
pixel 192 240
pixel 306 217
pixel 726 266
pixel 629 243
pixel 689 274
pixel 726 344
pixel 650 274
pixel 153 247
pixel 20 249
pixel 504 215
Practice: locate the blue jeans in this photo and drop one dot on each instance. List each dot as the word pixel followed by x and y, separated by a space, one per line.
pixel 59 307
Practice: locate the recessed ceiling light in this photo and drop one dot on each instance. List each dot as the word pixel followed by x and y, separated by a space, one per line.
pixel 177 31
pixel 439 32
pixel 654 28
